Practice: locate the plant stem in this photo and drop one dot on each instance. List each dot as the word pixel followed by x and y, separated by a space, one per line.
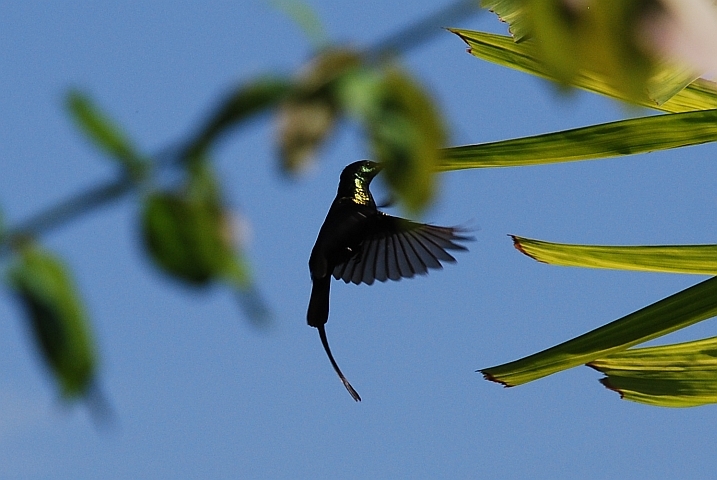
pixel 65 211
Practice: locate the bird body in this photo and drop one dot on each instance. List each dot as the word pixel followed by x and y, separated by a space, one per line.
pixel 358 243
pixel 347 223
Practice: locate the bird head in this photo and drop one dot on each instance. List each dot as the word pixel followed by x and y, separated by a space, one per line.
pixel 363 170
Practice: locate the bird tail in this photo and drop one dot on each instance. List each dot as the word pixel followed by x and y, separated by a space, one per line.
pixel 325 342
pixel 318 312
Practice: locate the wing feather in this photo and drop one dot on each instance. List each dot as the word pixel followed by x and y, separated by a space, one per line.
pixel 381 261
pixel 396 248
pixel 394 271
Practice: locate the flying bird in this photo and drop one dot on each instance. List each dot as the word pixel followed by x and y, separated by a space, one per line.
pixel 358 243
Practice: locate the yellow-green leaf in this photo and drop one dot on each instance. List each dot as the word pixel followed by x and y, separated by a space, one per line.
pixel 680 375
pixel 601 41
pixel 697 259
pixel 57 318
pixel 625 137
pixel 666 90
pixel 677 311
pixel 512 12
pixel 698 95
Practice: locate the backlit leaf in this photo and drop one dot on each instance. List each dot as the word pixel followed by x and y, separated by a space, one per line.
pixel 625 137
pixel 697 259
pixel 665 91
pixel 57 318
pixel 603 41
pixel 677 311
pixel 680 375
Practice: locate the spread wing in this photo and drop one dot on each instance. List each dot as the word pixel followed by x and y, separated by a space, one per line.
pixel 396 248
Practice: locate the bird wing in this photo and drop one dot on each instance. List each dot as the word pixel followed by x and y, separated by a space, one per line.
pixel 396 248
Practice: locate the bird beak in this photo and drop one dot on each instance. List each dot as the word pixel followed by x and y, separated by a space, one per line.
pixel 377 169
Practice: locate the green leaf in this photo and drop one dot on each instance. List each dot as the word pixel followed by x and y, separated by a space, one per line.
pixel 184 237
pixel 406 132
pixel 625 137
pixel 189 233
pixel 104 133
pixel 512 12
pixel 603 42
pixel 57 318
pixel 698 95
pixel 697 259
pixel 677 311
pixel 666 92
pixel 680 375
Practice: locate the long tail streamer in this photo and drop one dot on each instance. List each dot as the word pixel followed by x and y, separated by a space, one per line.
pixel 325 342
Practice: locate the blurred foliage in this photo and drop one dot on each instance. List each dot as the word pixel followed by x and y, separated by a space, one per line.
pixel 406 132
pixel 700 94
pixel 56 318
pixel 246 101
pixel 595 39
pixel 404 128
pixel 308 115
pixel 188 232
pixel 306 18
pixel 104 133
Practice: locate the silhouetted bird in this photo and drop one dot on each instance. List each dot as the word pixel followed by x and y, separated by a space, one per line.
pixel 358 243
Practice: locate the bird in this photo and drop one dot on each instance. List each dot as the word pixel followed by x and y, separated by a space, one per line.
pixel 358 243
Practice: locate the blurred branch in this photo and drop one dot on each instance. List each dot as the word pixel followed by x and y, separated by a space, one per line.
pixel 81 203
pixel 66 211
pixel 422 31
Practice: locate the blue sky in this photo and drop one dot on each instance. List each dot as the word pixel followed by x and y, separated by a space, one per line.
pixel 199 392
